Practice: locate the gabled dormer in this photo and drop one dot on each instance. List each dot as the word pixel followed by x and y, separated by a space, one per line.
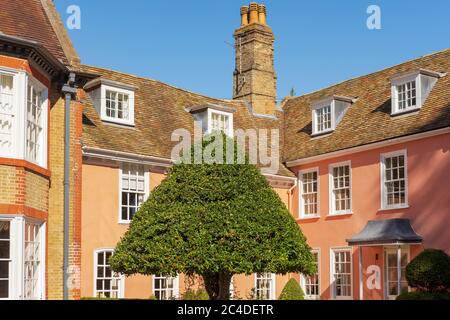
pixel 214 118
pixel 328 113
pixel 411 89
pixel 114 101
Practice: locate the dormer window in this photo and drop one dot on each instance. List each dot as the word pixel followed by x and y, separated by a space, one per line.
pixel 328 113
pixel 213 118
pixel 113 101
pixel 411 89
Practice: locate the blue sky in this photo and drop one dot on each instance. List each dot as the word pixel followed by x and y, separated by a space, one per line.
pixel 318 43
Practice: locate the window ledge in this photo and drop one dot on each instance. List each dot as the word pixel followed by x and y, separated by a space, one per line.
pixel 343 214
pixel 406 206
pixel 410 111
pixel 321 134
pixel 123 124
pixel 311 217
pixel 124 222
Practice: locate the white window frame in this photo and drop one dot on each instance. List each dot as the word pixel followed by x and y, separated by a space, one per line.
pixel 302 214
pixel 415 77
pixel 176 286
pixel 121 291
pixel 17 247
pixel 317 106
pixel 104 117
pixel 387 250
pixel 332 203
pixel 383 193
pixel 146 189
pixel 303 278
pixel 333 250
pixel 19 121
pixel 210 112
pixel 272 285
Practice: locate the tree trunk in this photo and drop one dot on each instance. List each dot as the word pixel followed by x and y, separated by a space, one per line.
pixel 217 285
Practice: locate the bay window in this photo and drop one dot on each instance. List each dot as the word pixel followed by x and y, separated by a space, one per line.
pixel 5 258
pixel 23 117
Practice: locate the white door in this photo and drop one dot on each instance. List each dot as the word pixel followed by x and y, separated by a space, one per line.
pixel 391 272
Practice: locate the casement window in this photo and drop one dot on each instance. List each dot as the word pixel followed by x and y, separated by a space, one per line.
pixel 107 284
pixel 113 101
pixel 23 117
pixel 328 113
pixel 323 119
pixel 133 190
pixel 220 121
pixel 340 189
pixel 311 284
pixel 394 189
pixel 32 261
pixel 5 258
pixel 117 105
pixel 341 273
pixel 410 90
pixel 265 286
pixel 165 287
pixel 22 258
pixel 309 197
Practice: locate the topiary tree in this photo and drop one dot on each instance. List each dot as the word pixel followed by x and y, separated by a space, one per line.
pixel 292 291
pixel 213 220
pixel 429 271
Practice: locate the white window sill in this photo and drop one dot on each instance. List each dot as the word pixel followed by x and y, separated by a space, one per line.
pixel 312 297
pixel 406 206
pixel 309 217
pixel 340 214
pixel 124 222
pixel 407 111
pixel 119 122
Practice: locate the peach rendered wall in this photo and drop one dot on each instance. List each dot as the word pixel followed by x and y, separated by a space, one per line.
pixel 428 169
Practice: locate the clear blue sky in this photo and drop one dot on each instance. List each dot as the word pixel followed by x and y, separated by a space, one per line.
pixel 318 43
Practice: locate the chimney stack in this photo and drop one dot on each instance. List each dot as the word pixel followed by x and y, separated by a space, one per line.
pixel 254 78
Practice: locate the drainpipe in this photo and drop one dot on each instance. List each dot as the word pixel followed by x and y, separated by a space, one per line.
pixel 69 92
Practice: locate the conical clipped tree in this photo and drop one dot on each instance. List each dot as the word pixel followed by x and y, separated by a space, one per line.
pixel 213 220
pixel 292 291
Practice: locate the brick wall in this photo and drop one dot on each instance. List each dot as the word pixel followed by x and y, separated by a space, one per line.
pixel 8 188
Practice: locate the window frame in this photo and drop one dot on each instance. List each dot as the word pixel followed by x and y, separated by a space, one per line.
pixel 302 214
pixel 303 278
pixel 273 288
pixel 403 80
pixel 209 114
pixel 176 286
pixel 121 290
pixel 383 191
pixel 128 122
pixel 388 250
pixel 318 106
pixel 333 250
pixel 146 188
pixel 332 203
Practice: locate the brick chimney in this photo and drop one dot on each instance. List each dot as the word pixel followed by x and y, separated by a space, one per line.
pixel 254 78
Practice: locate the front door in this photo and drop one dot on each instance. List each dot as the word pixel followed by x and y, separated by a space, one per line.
pixel 391 272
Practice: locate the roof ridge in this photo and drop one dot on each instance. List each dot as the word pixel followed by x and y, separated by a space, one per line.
pixel 364 75
pixel 163 83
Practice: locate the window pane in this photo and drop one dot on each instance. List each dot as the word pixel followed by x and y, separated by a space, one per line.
pixel 4 289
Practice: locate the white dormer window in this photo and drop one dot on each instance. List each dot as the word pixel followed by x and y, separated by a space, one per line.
pixel 213 118
pixel 328 113
pixel 113 101
pixel 410 90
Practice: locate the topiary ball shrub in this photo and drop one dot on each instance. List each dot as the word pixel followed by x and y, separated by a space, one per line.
pixel 429 271
pixel 292 291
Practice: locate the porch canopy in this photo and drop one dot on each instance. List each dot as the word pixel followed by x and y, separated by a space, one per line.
pixel 390 232
pixel 386 232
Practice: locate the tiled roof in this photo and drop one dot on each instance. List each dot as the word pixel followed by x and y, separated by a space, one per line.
pixel 159 110
pixel 28 20
pixel 369 119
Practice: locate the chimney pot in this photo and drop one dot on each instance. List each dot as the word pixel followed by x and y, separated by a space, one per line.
pixel 244 16
pixel 262 13
pixel 253 13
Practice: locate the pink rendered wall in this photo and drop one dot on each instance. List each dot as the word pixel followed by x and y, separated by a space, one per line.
pixel 428 169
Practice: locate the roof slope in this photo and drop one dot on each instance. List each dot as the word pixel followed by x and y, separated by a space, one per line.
pixel 28 19
pixel 159 110
pixel 368 120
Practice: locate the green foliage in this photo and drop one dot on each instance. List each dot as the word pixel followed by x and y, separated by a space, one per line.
pixel 213 218
pixel 429 271
pixel 418 295
pixel 292 291
pixel 200 294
